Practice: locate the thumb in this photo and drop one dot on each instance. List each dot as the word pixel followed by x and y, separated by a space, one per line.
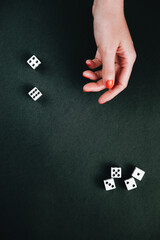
pixel 108 69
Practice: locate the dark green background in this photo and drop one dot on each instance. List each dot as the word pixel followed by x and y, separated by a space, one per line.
pixel 56 152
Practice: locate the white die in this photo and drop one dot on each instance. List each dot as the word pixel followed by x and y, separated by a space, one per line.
pixel 130 183
pixel 109 184
pixel 35 94
pixel 138 173
pixel 116 172
pixel 34 62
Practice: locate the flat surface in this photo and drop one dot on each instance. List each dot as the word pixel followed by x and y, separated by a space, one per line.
pixel 56 152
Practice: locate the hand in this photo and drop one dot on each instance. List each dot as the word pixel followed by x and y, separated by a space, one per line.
pixel 115 50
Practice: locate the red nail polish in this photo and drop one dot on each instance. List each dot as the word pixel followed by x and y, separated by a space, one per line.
pixel 86 76
pixel 109 84
pixel 88 64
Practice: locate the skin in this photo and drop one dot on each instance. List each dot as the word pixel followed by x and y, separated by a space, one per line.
pixel 115 50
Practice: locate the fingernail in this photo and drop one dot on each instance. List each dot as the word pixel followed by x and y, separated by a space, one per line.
pixel 109 84
pixel 86 76
pixel 88 63
pixel 85 91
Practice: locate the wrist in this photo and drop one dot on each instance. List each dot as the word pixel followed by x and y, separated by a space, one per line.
pixel 110 6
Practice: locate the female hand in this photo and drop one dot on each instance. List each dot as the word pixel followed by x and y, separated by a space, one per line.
pixel 115 50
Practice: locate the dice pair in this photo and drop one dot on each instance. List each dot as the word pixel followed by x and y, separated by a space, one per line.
pixel 137 174
pixel 116 172
pixel 34 62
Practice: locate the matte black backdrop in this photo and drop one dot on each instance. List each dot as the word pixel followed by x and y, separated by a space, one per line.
pixel 56 152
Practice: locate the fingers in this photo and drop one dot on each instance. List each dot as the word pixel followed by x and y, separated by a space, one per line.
pixel 119 68
pixel 108 69
pixel 94 86
pixel 95 63
pixel 92 75
pixel 122 83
